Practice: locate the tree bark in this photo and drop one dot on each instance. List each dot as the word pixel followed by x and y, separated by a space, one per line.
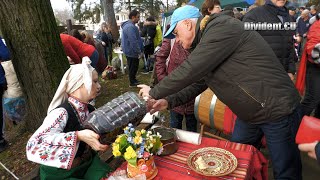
pixel 129 5
pixel 109 17
pixel 32 36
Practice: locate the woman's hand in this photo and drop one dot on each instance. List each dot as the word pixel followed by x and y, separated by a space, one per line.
pixel 299 39
pixel 92 139
pixel 309 148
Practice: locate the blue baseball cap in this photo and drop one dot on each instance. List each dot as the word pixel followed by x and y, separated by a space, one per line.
pixel 182 13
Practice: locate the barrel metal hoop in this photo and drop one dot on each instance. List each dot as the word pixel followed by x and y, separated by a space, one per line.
pixel 212 107
pixel 196 107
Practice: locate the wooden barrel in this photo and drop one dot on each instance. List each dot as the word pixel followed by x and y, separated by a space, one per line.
pixel 209 110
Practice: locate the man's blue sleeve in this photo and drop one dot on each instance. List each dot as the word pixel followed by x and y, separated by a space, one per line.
pixel 134 40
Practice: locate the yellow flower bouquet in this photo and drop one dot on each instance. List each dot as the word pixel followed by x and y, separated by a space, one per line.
pixel 138 147
pixel 136 144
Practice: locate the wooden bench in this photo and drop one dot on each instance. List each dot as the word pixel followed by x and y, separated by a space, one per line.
pixel 106 156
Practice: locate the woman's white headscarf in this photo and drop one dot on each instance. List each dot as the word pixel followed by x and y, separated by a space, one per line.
pixel 72 80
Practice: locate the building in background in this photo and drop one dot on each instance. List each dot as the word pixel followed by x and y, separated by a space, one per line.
pixel 301 2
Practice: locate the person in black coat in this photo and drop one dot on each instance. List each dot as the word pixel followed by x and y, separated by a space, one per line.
pixel 281 42
pixel 292 13
pixel 107 41
pixel 149 31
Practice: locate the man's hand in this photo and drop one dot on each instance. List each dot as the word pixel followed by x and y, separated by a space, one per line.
pixel 291 76
pixel 158 105
pixel 144 91
pixel 309 148
pixel 299 39
pixel 92 139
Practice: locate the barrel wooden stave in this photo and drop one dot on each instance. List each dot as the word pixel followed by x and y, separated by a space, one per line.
pixel 209 110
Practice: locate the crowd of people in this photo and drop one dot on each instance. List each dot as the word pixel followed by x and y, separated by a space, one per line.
pixel 139 42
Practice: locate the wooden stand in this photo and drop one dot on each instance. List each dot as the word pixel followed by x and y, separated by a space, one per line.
pixel 216 136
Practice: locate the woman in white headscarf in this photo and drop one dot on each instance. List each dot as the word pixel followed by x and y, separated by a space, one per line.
pixel 61 144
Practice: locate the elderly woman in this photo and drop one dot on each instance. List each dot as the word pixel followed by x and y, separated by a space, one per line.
pixel 210 7
pixel 61 144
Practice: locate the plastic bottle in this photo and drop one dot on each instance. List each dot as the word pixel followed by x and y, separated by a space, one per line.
pixel 116 113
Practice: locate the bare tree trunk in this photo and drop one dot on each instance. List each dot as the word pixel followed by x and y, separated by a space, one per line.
pixel 152 9
pixel 109 17
pixel 32 36
pixel 129 5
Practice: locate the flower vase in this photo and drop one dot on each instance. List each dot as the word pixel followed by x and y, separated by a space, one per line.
pixel 146 167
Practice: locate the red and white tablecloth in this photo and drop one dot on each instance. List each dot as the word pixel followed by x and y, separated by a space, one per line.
pixel 251 163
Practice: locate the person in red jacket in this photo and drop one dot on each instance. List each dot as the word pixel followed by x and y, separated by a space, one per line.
pixel 308 76
pixel 77 49
pixel 168 58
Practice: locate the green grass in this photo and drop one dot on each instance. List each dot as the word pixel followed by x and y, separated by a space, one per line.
pixel 111 89
pixel 115 87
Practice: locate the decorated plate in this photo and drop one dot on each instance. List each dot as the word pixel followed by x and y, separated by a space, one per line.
pixel 212 161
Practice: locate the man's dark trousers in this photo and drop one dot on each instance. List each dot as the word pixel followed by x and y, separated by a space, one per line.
pixel 311 98
pixel 280 136
pixel 133 64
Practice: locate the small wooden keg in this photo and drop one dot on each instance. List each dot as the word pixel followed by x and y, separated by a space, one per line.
pixel 209 110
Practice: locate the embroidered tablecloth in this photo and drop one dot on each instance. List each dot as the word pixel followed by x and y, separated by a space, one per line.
pixel 251 163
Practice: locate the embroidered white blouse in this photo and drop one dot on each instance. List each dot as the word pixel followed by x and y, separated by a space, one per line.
pixel 49 145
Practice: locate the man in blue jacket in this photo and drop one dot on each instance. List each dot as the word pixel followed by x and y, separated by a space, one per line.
pixel 4 56
pixel 130 43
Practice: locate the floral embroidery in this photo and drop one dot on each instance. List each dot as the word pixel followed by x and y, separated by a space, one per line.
pixel 64 156
pixel 81 108
pixel 49 145
pixel 40 140
pixel 30 145
pixel 68 137
pixel 44 155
